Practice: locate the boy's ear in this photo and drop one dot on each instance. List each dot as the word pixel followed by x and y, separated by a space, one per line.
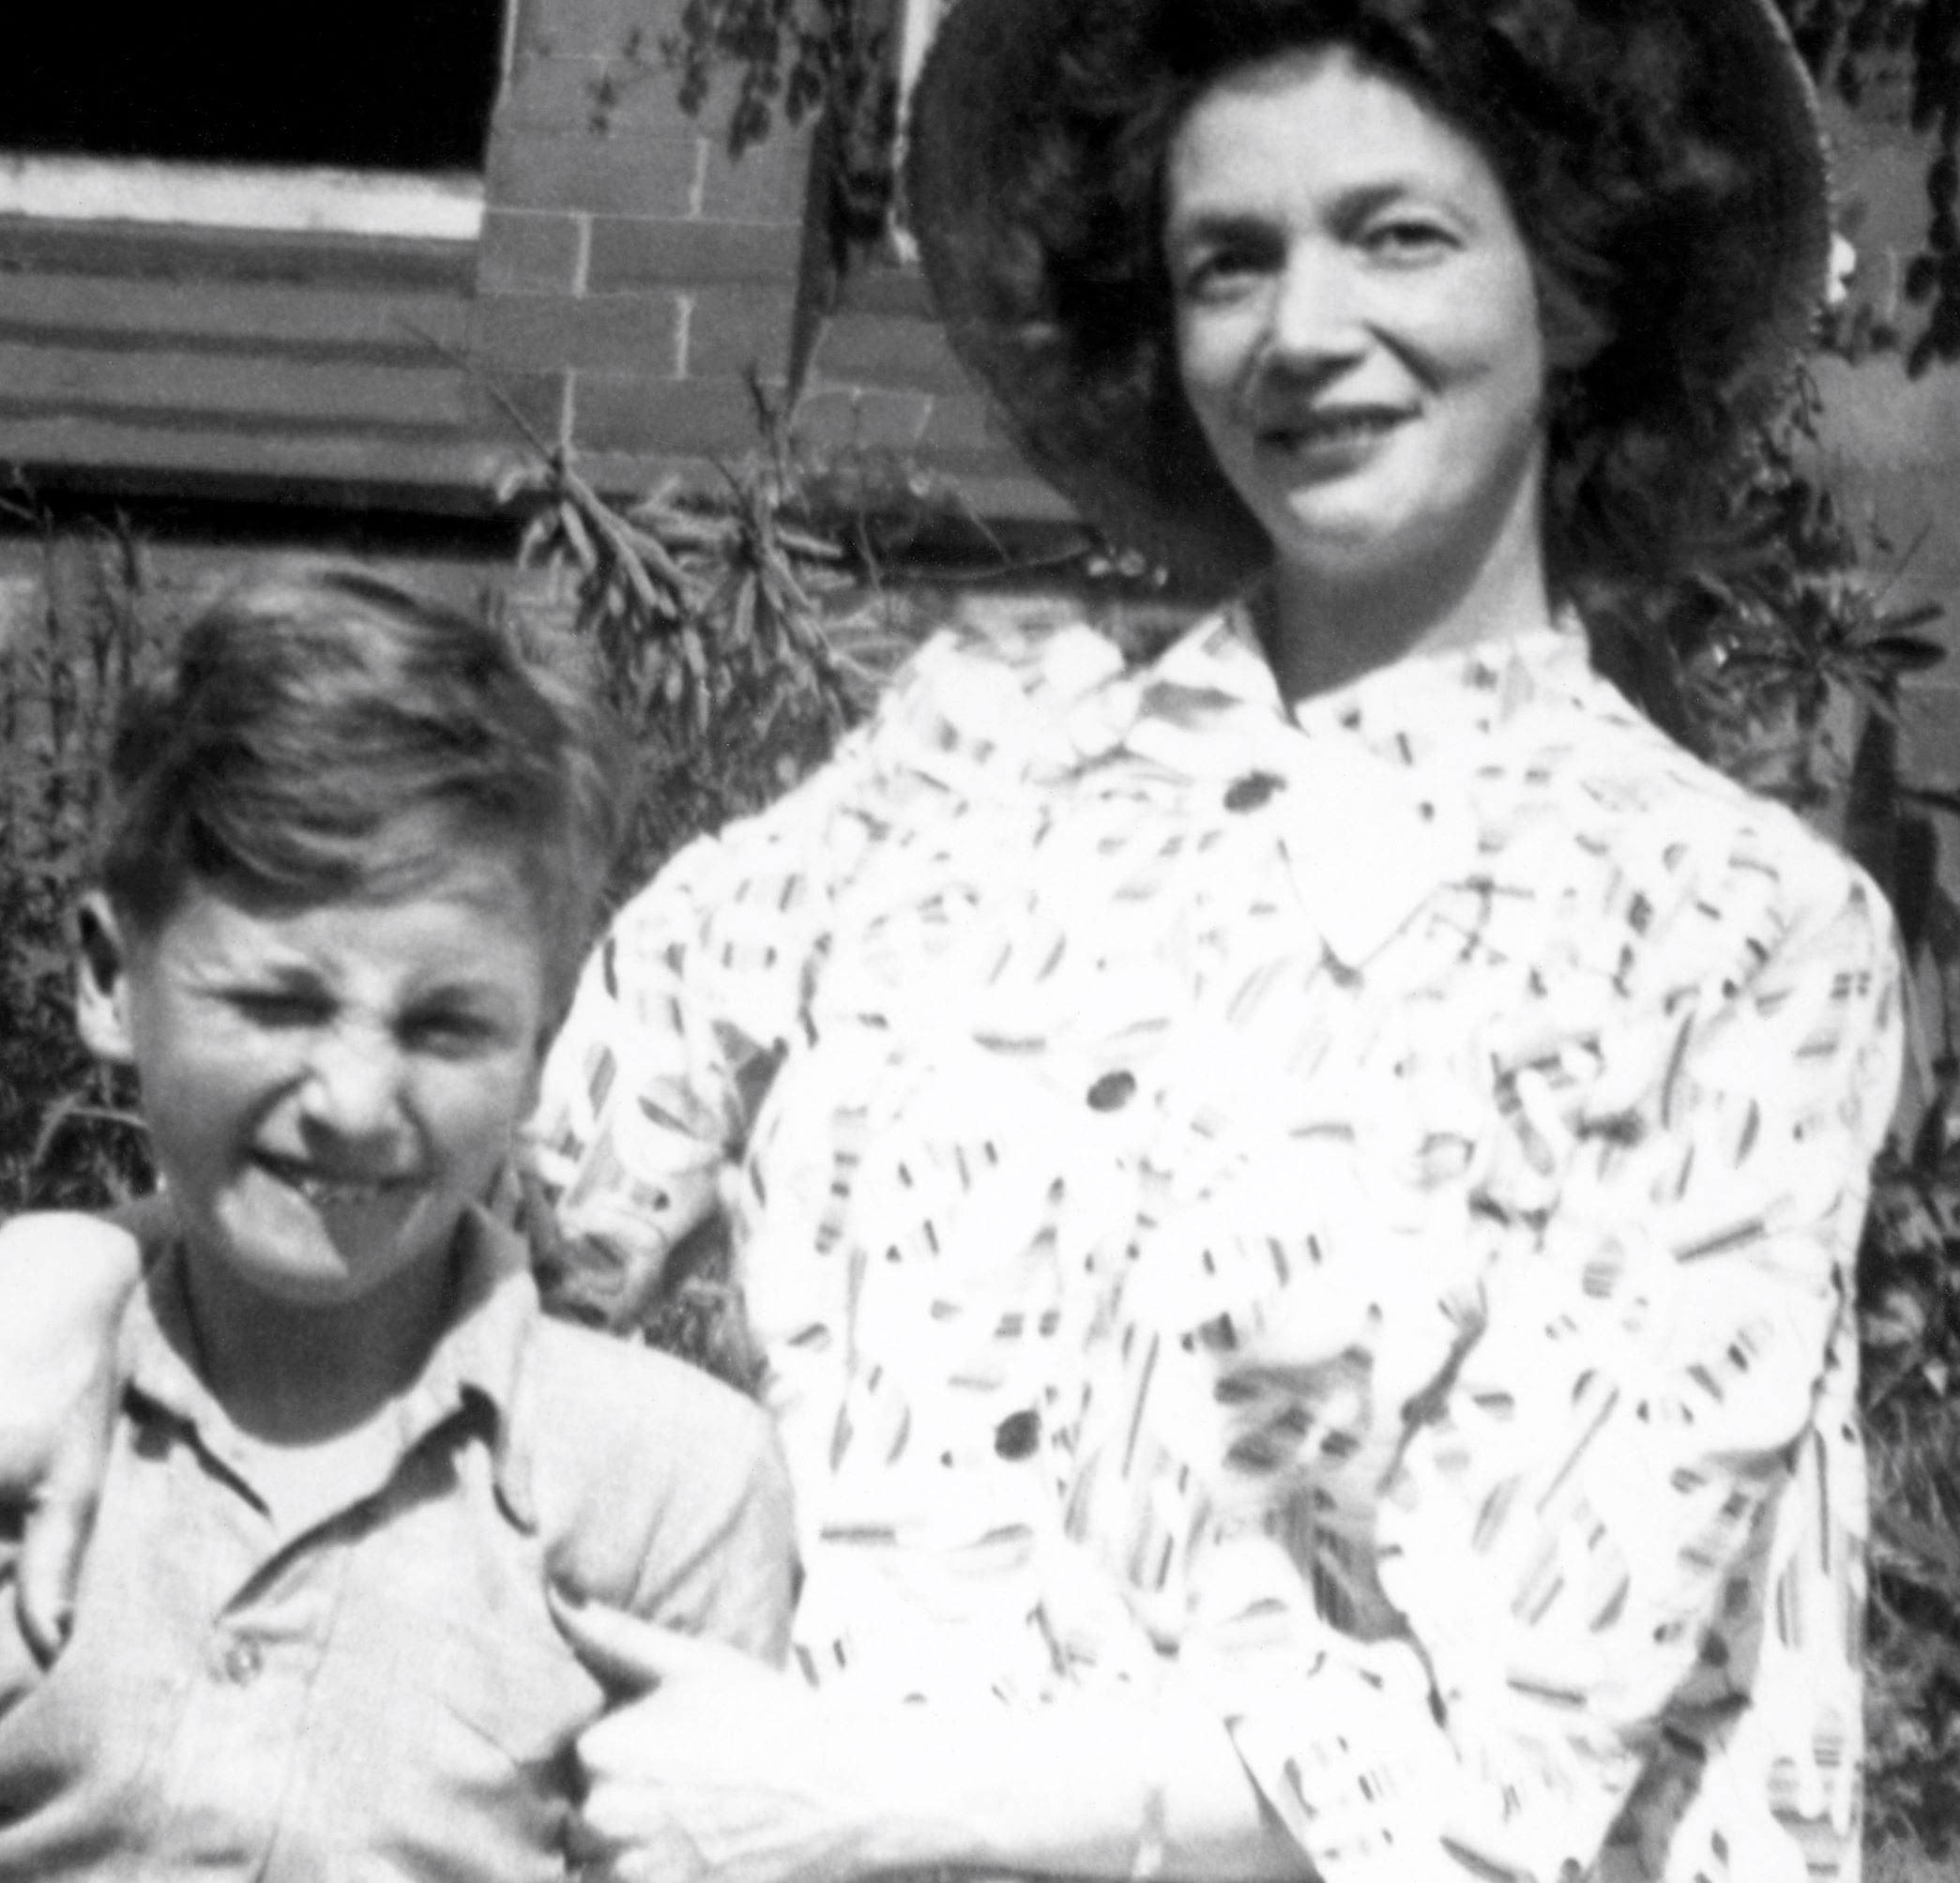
pixel 103 984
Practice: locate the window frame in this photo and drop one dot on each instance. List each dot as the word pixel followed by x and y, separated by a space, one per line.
pixel 446 206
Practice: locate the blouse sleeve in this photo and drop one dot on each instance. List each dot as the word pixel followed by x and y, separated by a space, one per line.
pixel 1582 1519
pixel 675 1033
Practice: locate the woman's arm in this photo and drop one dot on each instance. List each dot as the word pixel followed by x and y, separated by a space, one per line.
pixel 64 1279
pixel 671 1040
pixel 729 1768
pixel 1622 1528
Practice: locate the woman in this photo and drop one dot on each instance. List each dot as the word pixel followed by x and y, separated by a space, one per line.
pixel 1298 1199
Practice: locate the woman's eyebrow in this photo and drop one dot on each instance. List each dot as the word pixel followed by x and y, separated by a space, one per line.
pixel 1351 201
pixel 1218 226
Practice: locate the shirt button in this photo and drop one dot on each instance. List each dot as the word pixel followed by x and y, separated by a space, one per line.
pixel 242 1661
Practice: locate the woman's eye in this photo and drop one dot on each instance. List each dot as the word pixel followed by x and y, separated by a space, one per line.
pixel 1215 276
pixel 1407 238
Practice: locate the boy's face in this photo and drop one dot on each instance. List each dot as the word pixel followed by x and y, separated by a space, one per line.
pixel 328 1088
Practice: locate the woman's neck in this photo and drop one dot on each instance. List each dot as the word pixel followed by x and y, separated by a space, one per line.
pixel 1323 628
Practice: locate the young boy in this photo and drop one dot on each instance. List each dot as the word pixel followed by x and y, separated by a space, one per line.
pixel 353 860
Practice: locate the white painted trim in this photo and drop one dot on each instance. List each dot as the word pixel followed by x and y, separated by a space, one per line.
pixel 918 22
pixel 242 196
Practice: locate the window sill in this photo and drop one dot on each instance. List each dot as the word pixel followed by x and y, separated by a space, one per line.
pixel 444 208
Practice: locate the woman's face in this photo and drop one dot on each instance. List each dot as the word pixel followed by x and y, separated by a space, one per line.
pixel 1356 317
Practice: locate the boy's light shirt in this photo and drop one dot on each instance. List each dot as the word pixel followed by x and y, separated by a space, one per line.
pixel 386 1694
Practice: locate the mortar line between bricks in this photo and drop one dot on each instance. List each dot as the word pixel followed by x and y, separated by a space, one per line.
pixel 582 255
pixel 683 332
pixel 697 189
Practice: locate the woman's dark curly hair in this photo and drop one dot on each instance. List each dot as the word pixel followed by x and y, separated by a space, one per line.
pixel 1595 121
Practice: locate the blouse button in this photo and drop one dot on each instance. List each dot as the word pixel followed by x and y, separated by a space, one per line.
pixel 1112 1091
pixel 243 1660
pixel 1017 1435
pixel 1253 790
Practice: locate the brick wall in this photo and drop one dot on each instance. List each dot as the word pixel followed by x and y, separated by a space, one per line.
pixel 626 252
pixel 625 255
pixel 628 278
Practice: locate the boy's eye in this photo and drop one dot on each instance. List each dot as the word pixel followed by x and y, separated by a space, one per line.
pixel 448 1032
pixel 279 1007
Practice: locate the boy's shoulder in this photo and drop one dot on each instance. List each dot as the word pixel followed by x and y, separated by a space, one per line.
pixel 655 1486
pixel 605 1398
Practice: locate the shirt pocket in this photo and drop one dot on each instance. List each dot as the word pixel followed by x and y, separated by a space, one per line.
pixel 480 1771
pixel 488 1684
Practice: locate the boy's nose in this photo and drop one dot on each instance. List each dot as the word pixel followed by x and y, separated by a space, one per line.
pixel 352 1089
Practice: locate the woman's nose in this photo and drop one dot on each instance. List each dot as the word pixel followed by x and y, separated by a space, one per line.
pixel 1314 313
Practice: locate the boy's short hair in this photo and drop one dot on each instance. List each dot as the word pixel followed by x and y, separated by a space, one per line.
pixel 322 734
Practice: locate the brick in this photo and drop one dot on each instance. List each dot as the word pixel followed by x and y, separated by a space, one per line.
pixel 891 351
pixel 529 248
pixel 1011 496
pixel 555 95
pixel 191 458
pixel 845 420
pixel 890 420
pixel 879 287
pixel 625 333
pixel 630 414
pixel 732 330
pixel 828 420
pixel 602 175
pixel 1912 503
pixel 961 421
pixel 637 252
pixel 986 464
pixel 1880 419
pixel 627 475
pixel 244 386
pixel 213 316
pixel 767 183
pixel 311 258
pixel 1931 718
pixel 542 401
pixel 602 94
pixel 605 27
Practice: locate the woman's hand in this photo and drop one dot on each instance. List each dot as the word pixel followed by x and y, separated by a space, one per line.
pixel 716 1765
pixel 64 1279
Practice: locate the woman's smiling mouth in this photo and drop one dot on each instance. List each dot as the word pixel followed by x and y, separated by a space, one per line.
pixel 1335 431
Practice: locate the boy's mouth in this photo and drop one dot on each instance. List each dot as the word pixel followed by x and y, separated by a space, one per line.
pixel 326 1189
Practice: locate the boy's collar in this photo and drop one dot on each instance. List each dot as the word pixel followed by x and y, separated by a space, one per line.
pixel 477 1368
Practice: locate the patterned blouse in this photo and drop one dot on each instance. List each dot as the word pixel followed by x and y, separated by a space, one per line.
pixel 1356 1205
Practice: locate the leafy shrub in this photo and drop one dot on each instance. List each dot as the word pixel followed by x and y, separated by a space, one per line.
pixel 736 633
pixel 68 1134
